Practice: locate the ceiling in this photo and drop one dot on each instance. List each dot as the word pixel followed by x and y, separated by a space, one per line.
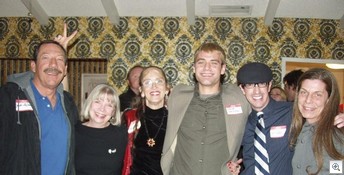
pixel 322 9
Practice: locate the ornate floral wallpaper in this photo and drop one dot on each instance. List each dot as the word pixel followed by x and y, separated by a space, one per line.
pixel 169 42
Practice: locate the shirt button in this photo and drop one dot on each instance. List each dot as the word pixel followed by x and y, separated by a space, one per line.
pixel 200 160
pixel 202 143
pixel 298 166
pixel 48 106
pixel 203 127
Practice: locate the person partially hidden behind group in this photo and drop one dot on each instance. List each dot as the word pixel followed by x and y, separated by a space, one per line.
pixel 147 124
pixel 127 98
pixel 278 94
pixel 100 138
pixel 313 135
pixel 290 83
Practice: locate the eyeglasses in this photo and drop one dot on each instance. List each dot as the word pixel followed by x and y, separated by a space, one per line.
pixel 149 83
pixel 252 85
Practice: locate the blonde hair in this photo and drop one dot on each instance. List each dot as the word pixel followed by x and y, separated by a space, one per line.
pixel 283 95
pixel 211 47
pixel 96 93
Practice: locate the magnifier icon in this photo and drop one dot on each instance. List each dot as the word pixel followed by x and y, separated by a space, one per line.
pixel 335 166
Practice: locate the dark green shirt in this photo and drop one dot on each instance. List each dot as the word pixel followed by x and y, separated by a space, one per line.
pixel 202 143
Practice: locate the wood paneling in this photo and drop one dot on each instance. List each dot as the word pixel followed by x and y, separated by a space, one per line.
pixel 75 69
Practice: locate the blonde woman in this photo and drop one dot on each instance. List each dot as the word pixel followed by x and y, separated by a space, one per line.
pixel 100 138
pixel 278 94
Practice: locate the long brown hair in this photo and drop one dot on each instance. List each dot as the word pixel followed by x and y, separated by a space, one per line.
pixel 326 134
pixel 139 102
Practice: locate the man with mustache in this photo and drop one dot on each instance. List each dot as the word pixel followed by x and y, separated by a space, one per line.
pixel 38 116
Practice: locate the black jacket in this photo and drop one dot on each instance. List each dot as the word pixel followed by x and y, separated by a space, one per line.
pixel 126 99
pixel 20 130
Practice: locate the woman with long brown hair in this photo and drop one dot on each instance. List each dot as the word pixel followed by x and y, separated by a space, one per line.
pixel 147 124
pixel 313 135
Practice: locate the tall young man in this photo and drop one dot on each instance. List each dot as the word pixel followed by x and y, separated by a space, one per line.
pixel 206 121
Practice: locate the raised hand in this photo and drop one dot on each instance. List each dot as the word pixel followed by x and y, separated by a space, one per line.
pixel 64 39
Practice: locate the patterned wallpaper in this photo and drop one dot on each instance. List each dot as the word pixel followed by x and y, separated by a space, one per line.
pixel 169 42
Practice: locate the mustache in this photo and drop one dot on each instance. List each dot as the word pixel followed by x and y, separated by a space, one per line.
pixel 52 70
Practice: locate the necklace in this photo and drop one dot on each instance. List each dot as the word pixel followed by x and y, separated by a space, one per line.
pixel 151 140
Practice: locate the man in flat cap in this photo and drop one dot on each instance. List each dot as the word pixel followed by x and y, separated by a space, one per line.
pixel 271 142
pixel 265 143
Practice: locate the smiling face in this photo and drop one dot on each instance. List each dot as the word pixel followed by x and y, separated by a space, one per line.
pixel 312 98
pixel 153 87
pixel 277 94
pixel 101 110
pixel 208 69
pixel 50 66
pixel 257 96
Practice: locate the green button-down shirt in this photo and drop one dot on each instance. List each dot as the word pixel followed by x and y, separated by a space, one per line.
pixel 202 143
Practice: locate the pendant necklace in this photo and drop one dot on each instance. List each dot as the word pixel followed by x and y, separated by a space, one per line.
pixel 150 140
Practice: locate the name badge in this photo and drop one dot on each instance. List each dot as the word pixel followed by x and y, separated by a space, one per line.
pixel 278 131
pixel 23 105
pixel 233 109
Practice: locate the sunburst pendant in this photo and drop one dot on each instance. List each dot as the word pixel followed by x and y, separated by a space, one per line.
pixel 150 142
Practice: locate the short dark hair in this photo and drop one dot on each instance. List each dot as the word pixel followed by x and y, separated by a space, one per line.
pixel 35 53
pixel 131 69
pixel 292 77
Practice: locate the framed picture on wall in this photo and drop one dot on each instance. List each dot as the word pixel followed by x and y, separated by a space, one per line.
pixel 88 82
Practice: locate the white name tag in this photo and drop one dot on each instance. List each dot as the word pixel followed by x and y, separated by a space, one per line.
pixel 23 105
pixel 133 126
pixel 233 109
pixel 278 131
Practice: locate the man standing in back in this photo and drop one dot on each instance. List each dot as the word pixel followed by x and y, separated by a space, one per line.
pixel 290 83
pixel 127 97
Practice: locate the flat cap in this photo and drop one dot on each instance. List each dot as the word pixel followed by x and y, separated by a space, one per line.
pixel 254 73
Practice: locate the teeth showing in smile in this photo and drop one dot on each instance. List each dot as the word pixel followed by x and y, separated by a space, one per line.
pixel 155 93
pixel 307 108
pixel 53 73
pixel 206 74
pixel 100 115
pixel 257 97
